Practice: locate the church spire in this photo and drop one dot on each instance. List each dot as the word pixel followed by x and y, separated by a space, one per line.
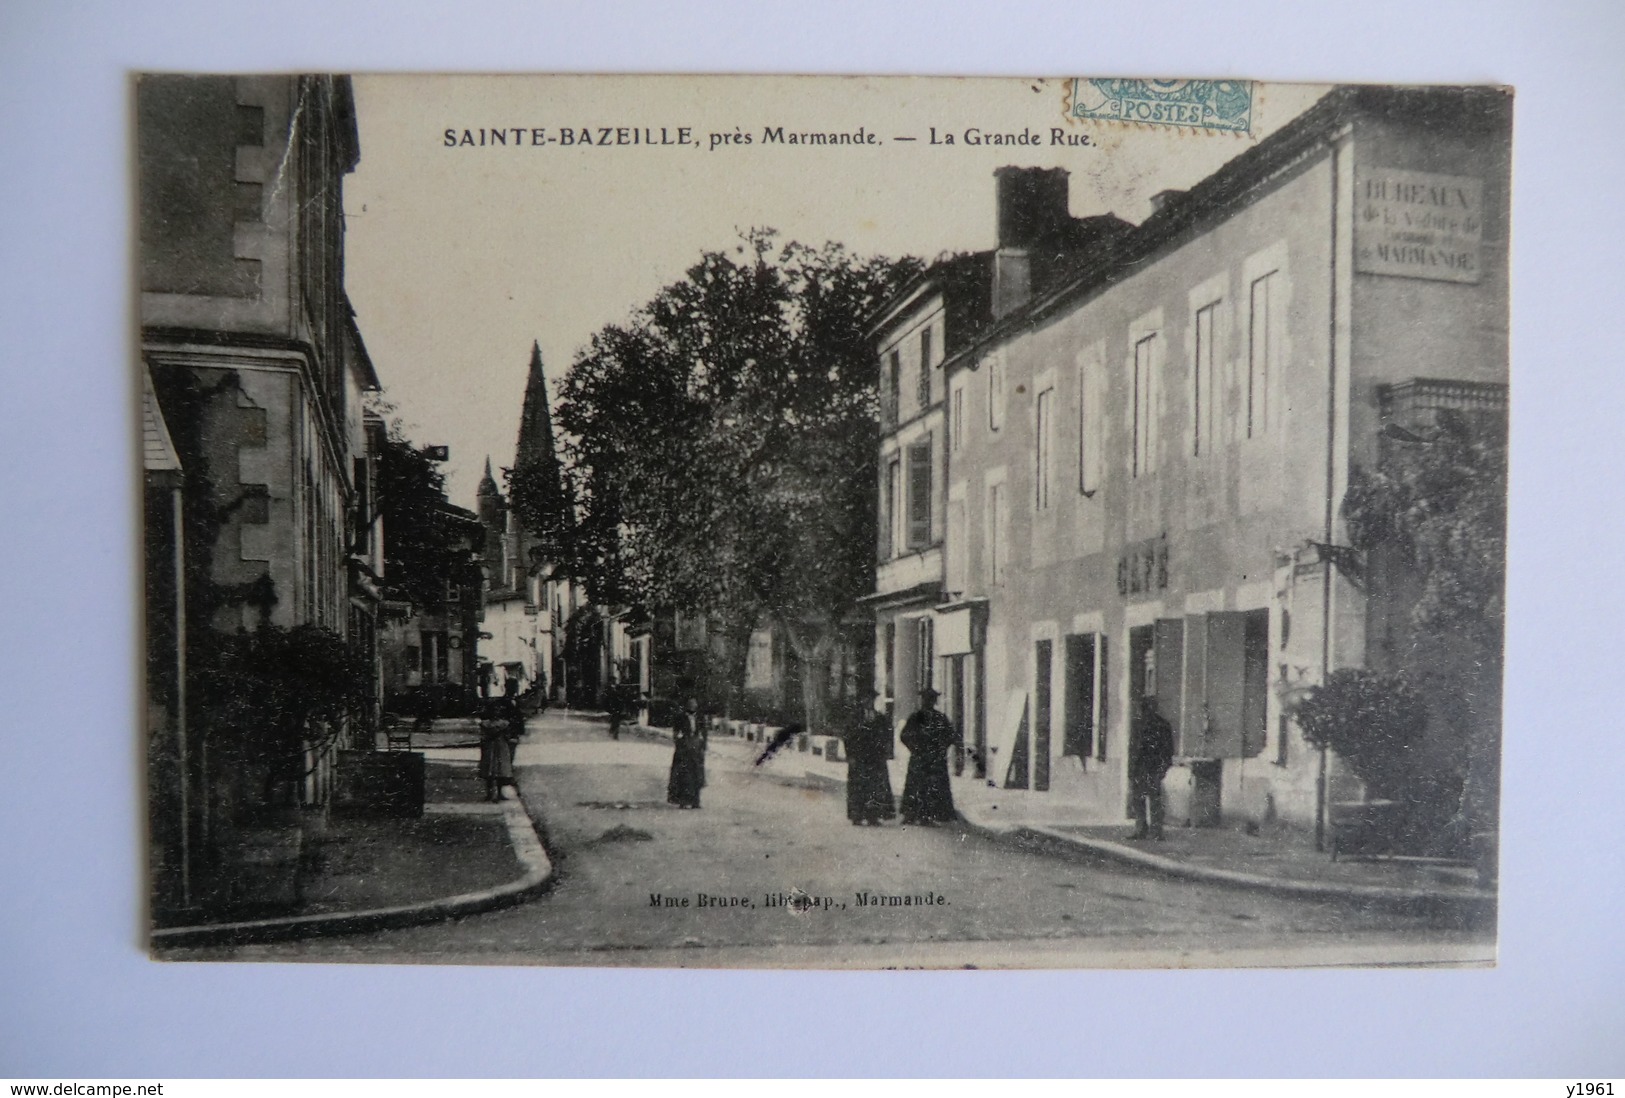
pixel 539 484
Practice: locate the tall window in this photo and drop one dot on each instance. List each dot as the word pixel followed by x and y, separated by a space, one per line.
pixel 893 498
pixel 997 546
pixel 891 381
pixel 995 390
pixel 956 417
pixel 1144 425
pixel 1204 396
pixel 924 384
pixel 926 651
pixel 919 494
pixel 1044 448
pixel 1262 351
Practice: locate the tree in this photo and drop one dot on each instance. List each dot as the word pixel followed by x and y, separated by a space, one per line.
pixel 424 543
pixel 1433 512
pixel 721 443
pixel 1371 719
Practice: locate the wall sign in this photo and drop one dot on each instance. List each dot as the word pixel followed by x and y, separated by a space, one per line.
pixel 1418 224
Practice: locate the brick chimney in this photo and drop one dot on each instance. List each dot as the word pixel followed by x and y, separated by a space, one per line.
pixel 1032 209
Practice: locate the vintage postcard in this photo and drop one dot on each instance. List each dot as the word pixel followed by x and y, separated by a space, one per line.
pixel 774 522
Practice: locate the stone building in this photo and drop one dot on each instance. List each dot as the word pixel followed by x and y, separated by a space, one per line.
pixel 930 322
pixel 258 377
pixel 1145 462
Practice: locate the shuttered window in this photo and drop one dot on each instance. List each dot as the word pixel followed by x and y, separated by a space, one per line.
pixel 919 494
pixel 888 509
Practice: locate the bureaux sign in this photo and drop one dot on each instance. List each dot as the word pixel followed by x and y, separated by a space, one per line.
pixel 1418 224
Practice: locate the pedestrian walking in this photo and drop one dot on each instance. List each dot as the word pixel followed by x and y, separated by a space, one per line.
pixel 928 735
pixel 1151 753
pixel 687 758
pixel 868 781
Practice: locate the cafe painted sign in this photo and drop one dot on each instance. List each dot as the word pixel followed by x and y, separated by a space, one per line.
pixel 1418 224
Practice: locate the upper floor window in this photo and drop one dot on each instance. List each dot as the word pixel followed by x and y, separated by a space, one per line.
pixel 893 492
pixel 1263 350
pixel 1044 448
pixel 919 494
pixel 1143 425
pixel 923 386
pixel 995 391
pixel 890 385
pixel 956 417
pixel 998 544
pixel 1204 394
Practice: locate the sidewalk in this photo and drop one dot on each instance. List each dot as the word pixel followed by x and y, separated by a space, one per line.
pixel 463 855
pixel 1274 858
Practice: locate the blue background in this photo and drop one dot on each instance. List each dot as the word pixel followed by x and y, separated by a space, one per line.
pixel 81 999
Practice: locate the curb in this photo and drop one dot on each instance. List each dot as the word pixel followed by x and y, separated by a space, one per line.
pixel 1029 834
pixel 527 847
pixel 1323 890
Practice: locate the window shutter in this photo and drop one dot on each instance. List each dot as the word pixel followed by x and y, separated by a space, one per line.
pixel 919 494
pixel 1102 696
pixel 1224 679
pixel 1169 645
pixel 888 510
pixel 1193 725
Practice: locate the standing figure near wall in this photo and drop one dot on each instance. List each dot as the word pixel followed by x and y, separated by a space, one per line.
pixel 868 782
pixel 1151 753
pixel 928 735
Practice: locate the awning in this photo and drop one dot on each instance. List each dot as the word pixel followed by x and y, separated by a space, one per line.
pixel 928 593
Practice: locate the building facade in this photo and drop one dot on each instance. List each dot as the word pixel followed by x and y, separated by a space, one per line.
pixel 1145 465
pixel 932 322
pixel 258 378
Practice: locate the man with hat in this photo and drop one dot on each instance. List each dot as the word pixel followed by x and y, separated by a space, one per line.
pixel 868 782
pixel 928 735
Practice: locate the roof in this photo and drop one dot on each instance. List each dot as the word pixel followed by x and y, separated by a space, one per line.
pixel 1218 195
pixel 941 273
pixel 157 449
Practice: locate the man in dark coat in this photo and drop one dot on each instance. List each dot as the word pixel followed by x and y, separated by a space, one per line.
pixel 928 735
pixel 868 782
pixel 687 758
pixel 1151 753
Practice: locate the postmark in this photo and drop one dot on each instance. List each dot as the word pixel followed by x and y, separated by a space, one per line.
pixel 1223 105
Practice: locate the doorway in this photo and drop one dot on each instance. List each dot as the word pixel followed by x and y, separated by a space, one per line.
pixel 1078 733
pixel 1042 652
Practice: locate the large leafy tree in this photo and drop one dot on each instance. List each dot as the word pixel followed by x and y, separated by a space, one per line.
pixel 425 543
pixel 721 443
pixel 1433 512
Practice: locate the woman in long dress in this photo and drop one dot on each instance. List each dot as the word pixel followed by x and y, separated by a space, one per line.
pixel 868 783
pixel 927 797
pixel 687 758
pixel 496 755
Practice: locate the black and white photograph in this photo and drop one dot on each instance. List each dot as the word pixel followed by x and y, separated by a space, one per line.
pixel 769 522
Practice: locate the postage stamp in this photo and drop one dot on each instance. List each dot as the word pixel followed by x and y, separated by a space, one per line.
pixel 1202 104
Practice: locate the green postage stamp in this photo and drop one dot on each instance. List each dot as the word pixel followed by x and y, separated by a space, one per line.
pixel 1204 104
